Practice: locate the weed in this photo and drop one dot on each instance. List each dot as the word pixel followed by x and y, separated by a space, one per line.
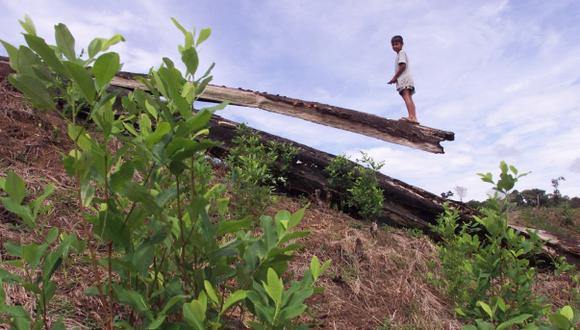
pixel 360 184
pixel 171 257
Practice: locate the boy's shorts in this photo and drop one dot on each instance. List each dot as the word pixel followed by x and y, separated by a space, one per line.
pixel 401 89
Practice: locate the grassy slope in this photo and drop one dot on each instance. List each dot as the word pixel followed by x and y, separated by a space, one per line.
pixel 374 282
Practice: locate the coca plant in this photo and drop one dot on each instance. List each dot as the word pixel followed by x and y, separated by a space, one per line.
pixel 158 230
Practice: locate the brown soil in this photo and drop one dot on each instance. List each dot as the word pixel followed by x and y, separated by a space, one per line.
pixel 373 282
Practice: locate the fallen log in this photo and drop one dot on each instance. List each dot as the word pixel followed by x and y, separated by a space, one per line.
pixel 394 131
pixel 404 205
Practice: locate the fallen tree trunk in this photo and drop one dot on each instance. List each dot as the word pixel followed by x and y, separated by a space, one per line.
pixel 394 131
pixel 404 206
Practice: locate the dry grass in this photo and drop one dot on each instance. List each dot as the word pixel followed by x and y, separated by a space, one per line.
pixel 372 282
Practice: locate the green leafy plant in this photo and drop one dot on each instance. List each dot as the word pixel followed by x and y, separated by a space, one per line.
pixel 256 169
pixel 171 255
pixel 360 183
pixel 564 319
pixel 486 264
pixel 38 261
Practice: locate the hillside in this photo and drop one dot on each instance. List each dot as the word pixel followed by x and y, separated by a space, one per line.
pixel 374 282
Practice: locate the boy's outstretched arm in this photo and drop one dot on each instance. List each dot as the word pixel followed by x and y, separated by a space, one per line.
pixel 400 70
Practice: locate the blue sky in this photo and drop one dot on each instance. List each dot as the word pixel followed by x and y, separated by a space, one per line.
pixel 503 75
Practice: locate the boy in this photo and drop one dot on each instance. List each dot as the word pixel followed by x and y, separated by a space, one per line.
pixel 403 79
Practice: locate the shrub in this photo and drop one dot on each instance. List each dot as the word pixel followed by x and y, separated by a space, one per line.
pixel 360 183
pixel 170 255
pixel 255 169
pixel 486 264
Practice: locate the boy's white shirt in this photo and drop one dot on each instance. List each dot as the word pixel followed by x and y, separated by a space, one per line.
pixel 405 79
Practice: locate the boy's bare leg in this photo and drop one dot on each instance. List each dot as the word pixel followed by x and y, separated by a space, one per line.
pixel 408 98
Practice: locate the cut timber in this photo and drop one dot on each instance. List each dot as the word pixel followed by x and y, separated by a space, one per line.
pixel 405 205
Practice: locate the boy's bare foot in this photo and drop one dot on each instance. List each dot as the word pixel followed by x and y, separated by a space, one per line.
pixel 409 120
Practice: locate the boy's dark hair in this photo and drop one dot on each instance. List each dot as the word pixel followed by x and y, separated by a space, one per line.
pixel 397 38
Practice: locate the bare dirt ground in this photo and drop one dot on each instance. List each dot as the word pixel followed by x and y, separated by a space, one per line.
pixel 374 282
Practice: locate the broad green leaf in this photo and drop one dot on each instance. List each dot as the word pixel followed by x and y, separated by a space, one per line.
pixel 469 327
pixel 503 166
pixel 513 321
pixel 145 124
pixel 28 25
pixel 211 292
pixel 283 217
pixel 233 299
pixel 95 46
pixel 36 205
pixel 232 226
pixel 179 26
pixel 296 217
pixel 486 308
pixel 274 287
pixel 514 170
pixel 171 302
pixel 501 304
pixel 188 41
pixel 132 298
pixel 58 325
pixel 39 46
pixel 151 110
pixel 34 90
pixel 482 325
pixel 560 321
pixel 294 235
pixel 567 312
pixel 117 38
pixel 65 41
pixel 15 187
pixel 202 85
pixel 83 80
pixel 292 311
pixel 22 211
pixel 191 315
pixel 157 323
pixel 315 267
pixel 105 68
pixel 32 253
pixel 26 61
pixel 51 264
pixel 203 35
pixel 190 59
pixel 12 53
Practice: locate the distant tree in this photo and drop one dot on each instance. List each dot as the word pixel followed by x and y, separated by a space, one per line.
pixel 556 196
pixel 475 204
pixel 516 198
pixel 447 194
pixel 461 192
pixel 534 197
pixel 575 202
